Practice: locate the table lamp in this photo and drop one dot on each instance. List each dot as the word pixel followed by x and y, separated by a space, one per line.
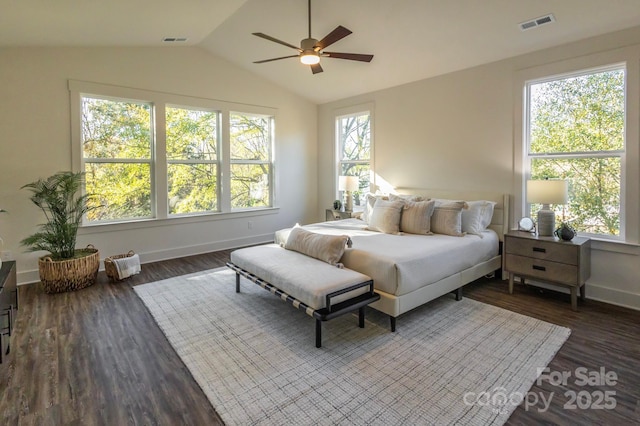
pixel 545 192
pixel 348 184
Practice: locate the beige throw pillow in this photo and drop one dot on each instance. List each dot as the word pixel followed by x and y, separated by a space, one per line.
pixel 447 218
pixel 406 197
pixel 416 217
pixel 328 248
pixel 385 216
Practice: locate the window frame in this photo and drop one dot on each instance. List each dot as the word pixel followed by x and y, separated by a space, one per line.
pixel 620 154
pixel 614 59
pixel 150 160
pixel 160 101
pixel 339 114
pixel 270 161
pixel 216 162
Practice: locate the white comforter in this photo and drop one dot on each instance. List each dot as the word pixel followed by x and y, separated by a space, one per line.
pixel 400 264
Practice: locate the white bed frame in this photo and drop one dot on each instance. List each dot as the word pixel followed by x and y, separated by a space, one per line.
pixel 397 305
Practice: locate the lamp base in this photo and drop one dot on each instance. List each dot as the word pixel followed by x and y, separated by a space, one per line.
pixel 349 204
pixel 546 222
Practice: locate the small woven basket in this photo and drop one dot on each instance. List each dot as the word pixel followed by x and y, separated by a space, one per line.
pixel 110 267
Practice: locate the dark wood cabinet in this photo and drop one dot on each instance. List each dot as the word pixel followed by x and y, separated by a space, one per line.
pixel 8 305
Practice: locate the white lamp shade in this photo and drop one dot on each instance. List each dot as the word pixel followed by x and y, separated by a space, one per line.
pixel 552 191
pixel 348 183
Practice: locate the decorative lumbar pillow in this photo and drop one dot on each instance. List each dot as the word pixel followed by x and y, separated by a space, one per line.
pixel 416 217
pixel 370 200
pixel 406 197
pixel 385 216
pixel 477 217
pixel 328 248
pixel 447 218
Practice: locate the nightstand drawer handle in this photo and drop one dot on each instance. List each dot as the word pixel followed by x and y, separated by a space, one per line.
pixel 539 249
pixel 539 268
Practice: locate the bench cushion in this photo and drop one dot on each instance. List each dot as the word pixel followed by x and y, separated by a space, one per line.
pixel 307 279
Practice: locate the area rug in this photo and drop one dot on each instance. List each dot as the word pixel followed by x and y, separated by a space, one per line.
pixel 255 358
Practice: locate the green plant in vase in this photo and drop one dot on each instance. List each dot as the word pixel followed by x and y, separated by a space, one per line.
pixel 61 200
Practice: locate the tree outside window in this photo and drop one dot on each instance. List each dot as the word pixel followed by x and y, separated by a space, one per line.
pixel 576 132
pixel 192 160
pixel 117 144
pixel 354 148
pixel 251 160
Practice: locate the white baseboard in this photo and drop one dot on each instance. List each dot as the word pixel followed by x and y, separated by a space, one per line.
pixel 597 292
pixel 32 276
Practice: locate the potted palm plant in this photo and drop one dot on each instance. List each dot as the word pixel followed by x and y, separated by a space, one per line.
pixel 65 268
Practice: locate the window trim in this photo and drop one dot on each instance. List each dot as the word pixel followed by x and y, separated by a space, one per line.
pixel 629 200
pixel 159 101
pixel 337 148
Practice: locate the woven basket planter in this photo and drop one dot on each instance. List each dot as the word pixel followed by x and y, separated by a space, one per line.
pixel 58 276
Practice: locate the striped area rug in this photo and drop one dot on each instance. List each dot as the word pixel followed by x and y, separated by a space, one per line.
pixel 254 356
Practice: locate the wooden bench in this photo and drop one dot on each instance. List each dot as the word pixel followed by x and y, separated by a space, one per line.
pixel 321 290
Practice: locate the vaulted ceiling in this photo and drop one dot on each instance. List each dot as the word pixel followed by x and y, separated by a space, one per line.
pixel 410 39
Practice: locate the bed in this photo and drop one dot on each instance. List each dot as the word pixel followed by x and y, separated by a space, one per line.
pixel 409 270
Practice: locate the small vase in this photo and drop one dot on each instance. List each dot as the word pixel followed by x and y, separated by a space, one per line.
pixel 565 232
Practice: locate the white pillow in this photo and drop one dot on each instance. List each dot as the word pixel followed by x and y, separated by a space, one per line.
pixel 416 217
pixel 370 200
pixel 406 197
pixel 447 218
pixel 385 216
pixel 477 217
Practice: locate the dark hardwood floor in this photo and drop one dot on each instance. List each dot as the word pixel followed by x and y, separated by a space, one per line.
pixel 96 356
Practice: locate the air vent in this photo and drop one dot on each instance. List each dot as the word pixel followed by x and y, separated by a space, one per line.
pixel 542 20
pixel 174 39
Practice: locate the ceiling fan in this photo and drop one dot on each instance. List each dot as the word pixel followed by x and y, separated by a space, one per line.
pixel 311 50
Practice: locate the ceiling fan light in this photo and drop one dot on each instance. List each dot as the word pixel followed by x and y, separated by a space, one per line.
pixel 310 58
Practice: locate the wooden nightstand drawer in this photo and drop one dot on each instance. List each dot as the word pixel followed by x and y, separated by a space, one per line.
pixel 555 251
pixel 543 269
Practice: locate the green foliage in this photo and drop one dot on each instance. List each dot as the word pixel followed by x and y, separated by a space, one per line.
pixel 251 140
pixel 355 134
pixel 117 149
pixel 577 127
pixel 60 199
pixel 117 140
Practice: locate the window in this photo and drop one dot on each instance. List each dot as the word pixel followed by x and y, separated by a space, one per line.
pixel 576 131
pixel 354 149
pixel 117 146
pixel 150 155
pixel 251 170
pixel 192 160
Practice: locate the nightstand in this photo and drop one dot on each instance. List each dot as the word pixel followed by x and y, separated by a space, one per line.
pixel 337 215
pixel 564 263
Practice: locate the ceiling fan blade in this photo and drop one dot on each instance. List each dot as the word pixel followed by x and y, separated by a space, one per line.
pixel 275 40
pixel 339 33
pixel 275 59
pixel 316 68
pixel 350 56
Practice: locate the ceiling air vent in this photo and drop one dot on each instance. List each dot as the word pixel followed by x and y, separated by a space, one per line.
pixel 174 39
pixel 533 23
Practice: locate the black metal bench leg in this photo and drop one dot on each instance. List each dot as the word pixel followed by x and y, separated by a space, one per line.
pixel 318 333
pixel 361 317
pixel 459 294
pixel 393 323
pixel 237 282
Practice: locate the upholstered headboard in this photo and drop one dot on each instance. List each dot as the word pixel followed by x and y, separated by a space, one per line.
pixel 499 222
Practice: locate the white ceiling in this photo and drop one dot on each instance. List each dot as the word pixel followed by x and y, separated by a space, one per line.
pixel 411 39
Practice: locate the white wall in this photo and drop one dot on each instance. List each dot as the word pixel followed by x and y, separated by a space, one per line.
pixel 35 142
pixel 456 131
